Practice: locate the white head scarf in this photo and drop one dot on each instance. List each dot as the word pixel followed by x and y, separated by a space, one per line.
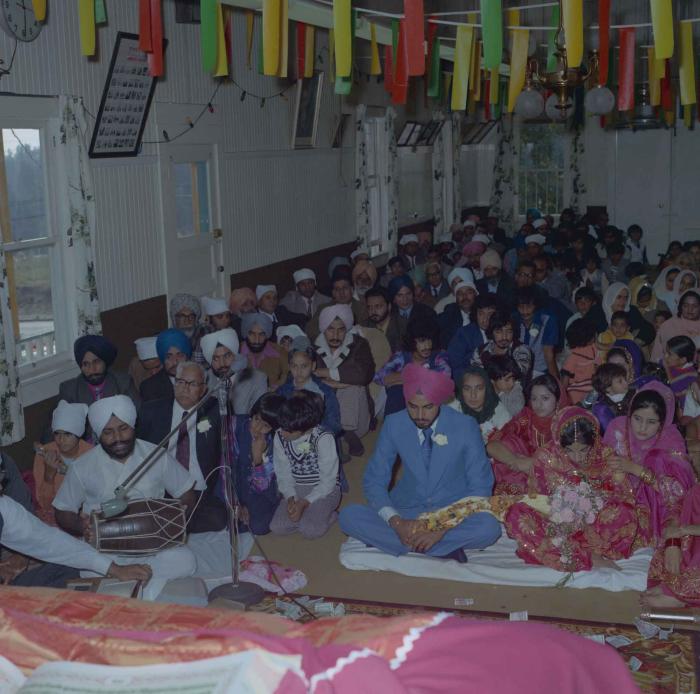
pixel 69 417
pixel 611 294
pixel 663 294
pixel 677 289
pixel 101 411
pixel 463 273
pixel 226 337
pixel 211 306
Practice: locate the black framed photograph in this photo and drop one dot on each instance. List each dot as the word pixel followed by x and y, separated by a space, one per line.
pixel 306 111
pixel 126 101
pixel 407 134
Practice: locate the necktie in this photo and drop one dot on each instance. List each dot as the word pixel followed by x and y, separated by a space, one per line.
pixel 426 448
pixel 182 449
pixel 308 308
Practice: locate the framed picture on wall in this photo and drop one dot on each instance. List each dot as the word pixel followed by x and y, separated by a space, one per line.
pixel 126 101
pixel 306 111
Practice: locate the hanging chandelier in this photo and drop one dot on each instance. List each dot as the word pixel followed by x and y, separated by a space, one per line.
pixel 562 82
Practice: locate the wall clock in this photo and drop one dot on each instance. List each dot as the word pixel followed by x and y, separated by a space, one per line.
pixel 17 18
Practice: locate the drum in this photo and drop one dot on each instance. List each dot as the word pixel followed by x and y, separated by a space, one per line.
pixel 146 527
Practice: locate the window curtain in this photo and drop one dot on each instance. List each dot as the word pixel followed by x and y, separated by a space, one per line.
pixel 503 194
pixel 77 218
pixel 11 413
pixel 362 203
pixel 447 197
pixel 392 180
pixel 577 160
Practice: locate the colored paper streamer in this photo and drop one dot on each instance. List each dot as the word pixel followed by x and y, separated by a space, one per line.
pixel 434 76
pixel 388 69
pixel 475 79
pixel 654 78
pixel 221 68
pixel 513 18
pixel 310 46
pixel 573 31
pixel 494 86
pixel 662 21
pixel 552 61
pixel 603 41
pixel 343 85
pixel 625 94
pixel 415 36
pixel 228 21
pixel 283 70
pixel 249 26
pixel 375 67
pixel 667 88
pixel 100 12
pixel 399 93
pixel 301 48
pixel 342 19
pixel 462 65
pixel 39 7
pixel 145 42
pixel 207 33
pixel 492 32
pixel 518 65
pixel 155 58
pixel 686 65
pixel 271 36
pixel 86 17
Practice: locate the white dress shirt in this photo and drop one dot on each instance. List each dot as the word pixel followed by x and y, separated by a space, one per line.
pixel 194 468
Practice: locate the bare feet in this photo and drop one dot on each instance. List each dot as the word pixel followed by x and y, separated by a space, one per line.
pixel 656 598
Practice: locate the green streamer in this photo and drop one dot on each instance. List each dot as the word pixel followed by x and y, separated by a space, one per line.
pixel 434 71
pixel 492 32
pixel 207 33
pixel 100 12
pixel 551 57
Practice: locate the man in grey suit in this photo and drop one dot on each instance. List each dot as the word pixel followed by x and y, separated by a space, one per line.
pixel 220 350
pixel 305 299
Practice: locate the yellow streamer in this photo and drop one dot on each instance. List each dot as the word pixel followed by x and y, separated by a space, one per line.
pixel 342 26
pixel 310 50
pixel 512 18
pixel 518 64
pixel 475 85
pixel 375 67
pixel 284 39
pixel 573 31
pixel 662 21
pixel 495 87
pixel 221 68
pixel 460 79
pixel 271 36
pixel 686 65
pixel 39 9
pixel 654 78
pixel 688 116
pixel 86 15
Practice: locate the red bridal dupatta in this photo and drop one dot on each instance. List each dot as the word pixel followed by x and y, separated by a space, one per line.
pixel 593 511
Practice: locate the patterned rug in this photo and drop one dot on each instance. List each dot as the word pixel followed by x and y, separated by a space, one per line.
pixel 663 666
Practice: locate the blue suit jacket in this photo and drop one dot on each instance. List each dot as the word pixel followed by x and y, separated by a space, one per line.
pixel 462 346
pixel 457 469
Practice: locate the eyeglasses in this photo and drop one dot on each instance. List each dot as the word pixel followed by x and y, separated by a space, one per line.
pixel 526 275
pixel 182 383
pixel 186 317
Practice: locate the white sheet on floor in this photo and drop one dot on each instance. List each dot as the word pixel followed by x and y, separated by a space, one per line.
pixel 498 565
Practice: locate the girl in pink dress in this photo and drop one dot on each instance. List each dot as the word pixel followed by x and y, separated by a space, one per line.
pixel 593 516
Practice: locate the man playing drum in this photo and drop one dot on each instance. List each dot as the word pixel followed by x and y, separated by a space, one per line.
pixel 93 477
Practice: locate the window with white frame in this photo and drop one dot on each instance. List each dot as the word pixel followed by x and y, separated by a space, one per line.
pixel 377 189
pixel 29 238
pixel 542 168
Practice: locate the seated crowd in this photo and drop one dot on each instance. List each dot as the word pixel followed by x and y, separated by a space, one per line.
pixel 557 363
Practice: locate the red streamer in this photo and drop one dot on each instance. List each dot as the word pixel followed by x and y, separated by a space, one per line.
pixel 388 69
pixel 487 98
pixel 228 14
pixel 415 36
pixel 604 39
pixel 625 95
pixel 666 90
pixel 155 59
pixel 399 93
pixel 301 49
pixel 145 42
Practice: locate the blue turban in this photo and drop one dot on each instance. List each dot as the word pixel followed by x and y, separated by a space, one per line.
pixel 533 212
pixel 172 338
pixel 100 346
pixel 248 320
pixel 397 283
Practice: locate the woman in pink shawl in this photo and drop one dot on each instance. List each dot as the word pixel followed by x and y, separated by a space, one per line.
pixel 593 517
pixel 651 451
pixel 687 322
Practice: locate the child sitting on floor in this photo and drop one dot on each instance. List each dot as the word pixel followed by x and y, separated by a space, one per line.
pixel 660 318
pixel 306 465
pixel 506 377
pixel 614 393
pixel 619 327
pixel 679 363
pixel 577 371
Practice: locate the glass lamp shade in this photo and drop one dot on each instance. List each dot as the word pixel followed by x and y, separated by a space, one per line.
pixel 529 103
pixel 557 114
pixel 599 101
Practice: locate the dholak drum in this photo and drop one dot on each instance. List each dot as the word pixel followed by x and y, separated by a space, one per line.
pixel 146 527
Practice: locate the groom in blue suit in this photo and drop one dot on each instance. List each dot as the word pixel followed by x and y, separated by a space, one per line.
pixel 443 460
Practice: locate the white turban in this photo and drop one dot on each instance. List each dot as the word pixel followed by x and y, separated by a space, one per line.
pixel 463 273
pixel 263 289
pixel 330 313
pixel 469 223
pixel 304 274
pixel 212 306
pixel 359 251
pixel 539 223
pixel 101 411
pixel 468 284
pixel 481 238
pixel 408 238
pixel 146 348
pixel 69 417
pixel 226 337
pixel 536 238
pixel 290 331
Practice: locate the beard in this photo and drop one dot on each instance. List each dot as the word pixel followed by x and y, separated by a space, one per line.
pixel 189 332
pixel 223 373
pixel 120 450
pixel 95 379
pixel 256 349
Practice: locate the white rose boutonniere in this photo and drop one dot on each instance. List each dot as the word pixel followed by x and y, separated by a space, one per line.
pixel 440 439
pixel 203 426
pixel 304 447
pixel 534 331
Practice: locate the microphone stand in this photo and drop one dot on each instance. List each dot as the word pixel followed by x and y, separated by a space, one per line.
pixel 241 593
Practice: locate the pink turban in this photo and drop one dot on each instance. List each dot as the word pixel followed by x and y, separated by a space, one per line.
pixel 330 313
pixel 434 385
pixel 239 296
pixel 474 247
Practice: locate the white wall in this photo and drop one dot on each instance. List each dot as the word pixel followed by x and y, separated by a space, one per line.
pixel 415 172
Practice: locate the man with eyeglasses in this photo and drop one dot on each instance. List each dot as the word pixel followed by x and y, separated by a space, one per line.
pixel 185 313
pixel 436 286
pixel 197 448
